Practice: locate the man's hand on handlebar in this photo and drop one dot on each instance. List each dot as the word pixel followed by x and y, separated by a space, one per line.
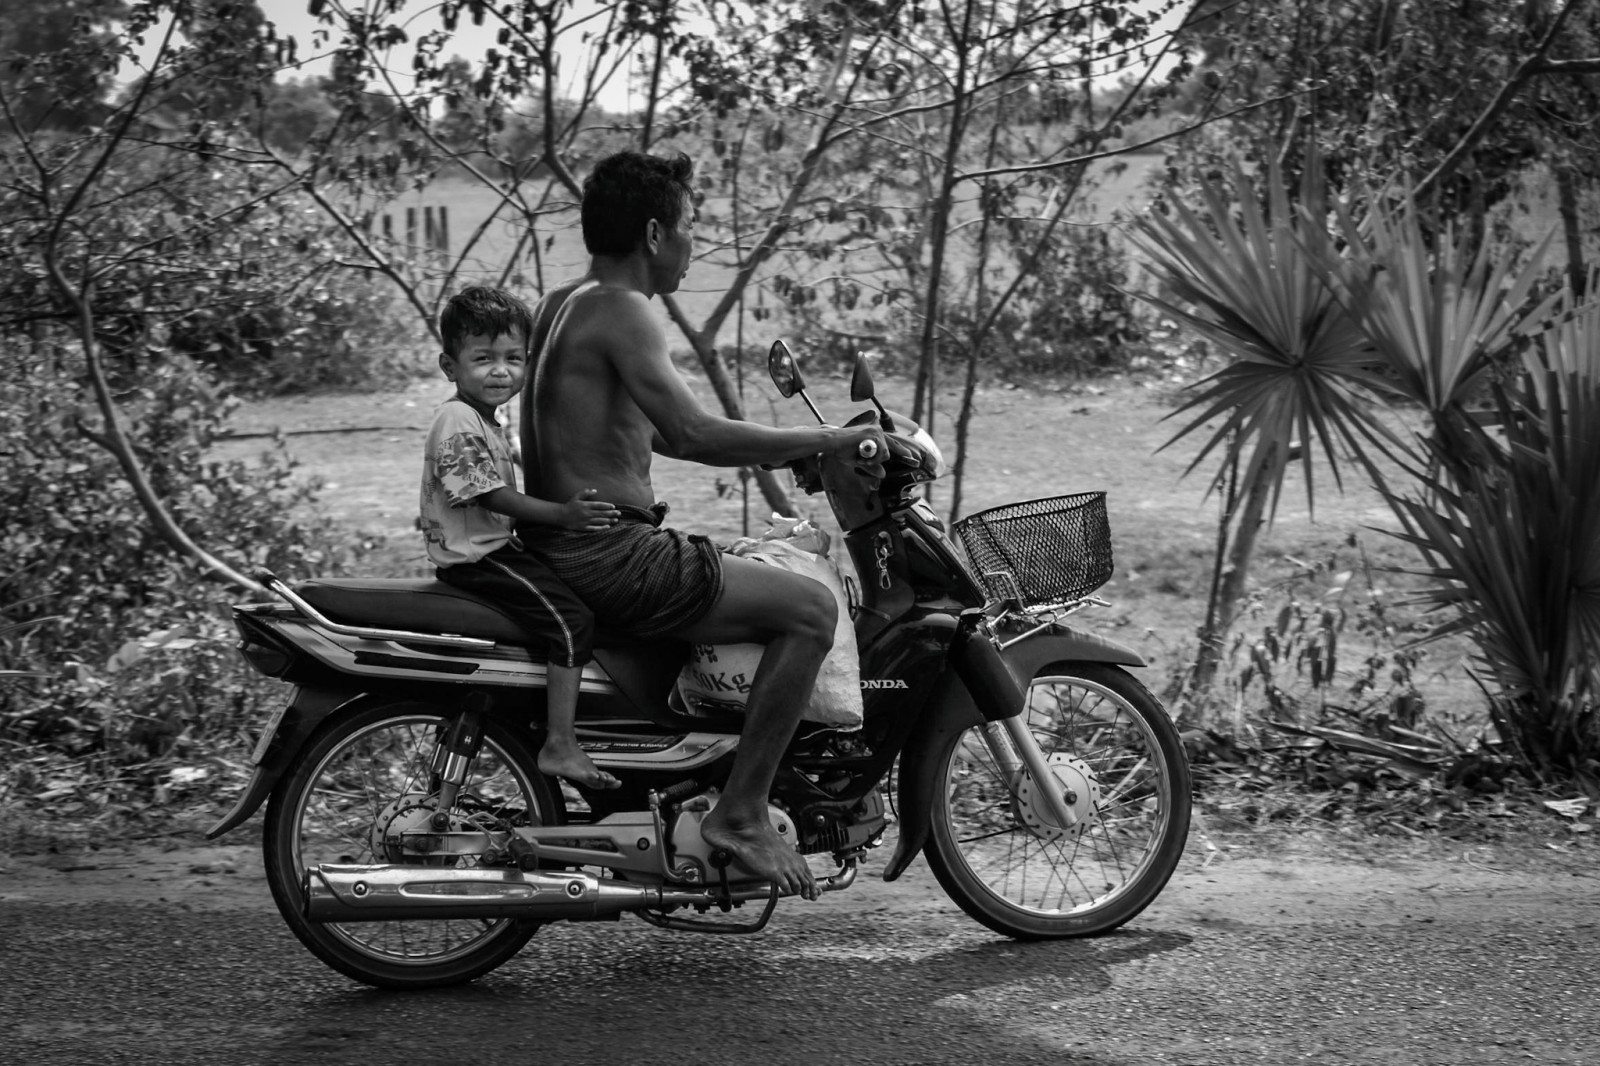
pixel 863 447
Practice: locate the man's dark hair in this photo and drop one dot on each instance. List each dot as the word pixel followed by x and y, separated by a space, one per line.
pixel 625 191
pixel 482 310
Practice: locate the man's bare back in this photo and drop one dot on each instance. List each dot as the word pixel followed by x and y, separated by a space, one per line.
pixel 587 429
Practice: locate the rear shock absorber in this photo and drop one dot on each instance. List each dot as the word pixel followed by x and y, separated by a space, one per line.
pixel 454 754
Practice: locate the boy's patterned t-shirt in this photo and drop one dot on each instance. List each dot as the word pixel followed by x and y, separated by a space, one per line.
pixel 466 456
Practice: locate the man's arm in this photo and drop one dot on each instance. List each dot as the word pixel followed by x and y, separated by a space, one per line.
pixel 684 429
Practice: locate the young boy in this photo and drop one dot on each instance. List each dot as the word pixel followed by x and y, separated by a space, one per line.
pixel 471 506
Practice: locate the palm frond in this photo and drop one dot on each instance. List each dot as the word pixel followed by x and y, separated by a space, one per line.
pixel 1241 275
pixel 1440 313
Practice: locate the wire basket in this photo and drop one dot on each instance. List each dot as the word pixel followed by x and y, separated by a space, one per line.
pixel 1041 552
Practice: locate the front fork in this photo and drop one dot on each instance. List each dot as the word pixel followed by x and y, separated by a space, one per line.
pixel 1011 743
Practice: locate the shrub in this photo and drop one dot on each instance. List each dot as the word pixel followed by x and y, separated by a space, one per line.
pixel 116 652
pixel 1071 314
pixel 342 330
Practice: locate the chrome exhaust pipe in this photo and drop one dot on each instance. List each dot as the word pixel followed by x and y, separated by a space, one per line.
pixel 340 893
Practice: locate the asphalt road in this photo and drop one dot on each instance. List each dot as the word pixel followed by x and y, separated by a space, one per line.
pixel 1480 958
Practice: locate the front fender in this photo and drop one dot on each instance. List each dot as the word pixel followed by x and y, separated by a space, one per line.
pixel 954 709
pixel 308 708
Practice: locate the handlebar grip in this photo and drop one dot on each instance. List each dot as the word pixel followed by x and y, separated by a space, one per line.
pixel 867 449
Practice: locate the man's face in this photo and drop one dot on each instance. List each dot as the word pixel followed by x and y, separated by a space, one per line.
pixel 676 249
pixel 488 371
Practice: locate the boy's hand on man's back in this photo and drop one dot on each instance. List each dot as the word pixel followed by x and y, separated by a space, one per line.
pixel 584 512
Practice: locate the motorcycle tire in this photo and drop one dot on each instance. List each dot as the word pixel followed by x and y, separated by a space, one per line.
pixel 365 770
pixel 1117 753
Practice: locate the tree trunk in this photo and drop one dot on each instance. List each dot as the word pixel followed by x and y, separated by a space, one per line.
pixel 1230 585
pixel 928 364
pixel 1571 227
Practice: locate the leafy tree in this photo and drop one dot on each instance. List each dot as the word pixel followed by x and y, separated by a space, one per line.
pixel 52 60
pixel 1453 99
pixel 794 108
pixel 136 239
pixel 137 248
pixel 917 167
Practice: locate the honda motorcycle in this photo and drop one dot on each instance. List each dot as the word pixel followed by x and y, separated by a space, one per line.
pixel 411 841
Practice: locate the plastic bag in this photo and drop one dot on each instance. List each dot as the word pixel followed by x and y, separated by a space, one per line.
pixel 717 676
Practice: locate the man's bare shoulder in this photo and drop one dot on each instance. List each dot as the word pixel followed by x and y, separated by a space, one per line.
pixel 603 299
pixel 612 317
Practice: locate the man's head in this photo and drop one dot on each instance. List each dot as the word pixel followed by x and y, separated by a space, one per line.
pixel 485 333
pixel 628 192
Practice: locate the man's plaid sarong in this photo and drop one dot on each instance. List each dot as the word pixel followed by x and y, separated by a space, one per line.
pixel 638 577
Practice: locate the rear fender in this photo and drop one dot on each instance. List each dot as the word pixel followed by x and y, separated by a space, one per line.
pixel 954 709
pixel 308 708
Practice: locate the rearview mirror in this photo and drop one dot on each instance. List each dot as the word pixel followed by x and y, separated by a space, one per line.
pixel 861 387
pixel 784 371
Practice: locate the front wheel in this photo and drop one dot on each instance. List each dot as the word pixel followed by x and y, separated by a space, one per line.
pixel 1117 756
pixel 361 782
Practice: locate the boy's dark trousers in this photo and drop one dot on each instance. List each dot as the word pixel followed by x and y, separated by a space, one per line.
pixel 521 585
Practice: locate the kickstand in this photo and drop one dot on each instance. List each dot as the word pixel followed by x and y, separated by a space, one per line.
pixel 720 860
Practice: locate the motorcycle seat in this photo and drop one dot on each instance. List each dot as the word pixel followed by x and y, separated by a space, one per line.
pixel 421 605
pixel 417 604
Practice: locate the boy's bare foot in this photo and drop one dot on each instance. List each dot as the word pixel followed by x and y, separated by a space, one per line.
pixel 573 763
pixel 758 847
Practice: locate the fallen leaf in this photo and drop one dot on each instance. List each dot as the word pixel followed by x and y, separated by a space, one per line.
pixel 1569 808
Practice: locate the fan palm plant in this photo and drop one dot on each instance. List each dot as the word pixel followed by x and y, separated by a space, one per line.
pixel 1504 504
pixel 1250 274
pixel 1247 274
pixel 1512 541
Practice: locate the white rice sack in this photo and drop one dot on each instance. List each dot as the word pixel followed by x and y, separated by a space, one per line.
pixel 717 677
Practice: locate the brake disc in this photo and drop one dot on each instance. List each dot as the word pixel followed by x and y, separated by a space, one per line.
pixel 1079 788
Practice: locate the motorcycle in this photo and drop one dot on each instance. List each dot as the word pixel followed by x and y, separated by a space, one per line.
pixel 410 840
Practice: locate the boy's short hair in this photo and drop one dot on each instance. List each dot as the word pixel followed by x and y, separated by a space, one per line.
pixel 483 311
pixel 625 191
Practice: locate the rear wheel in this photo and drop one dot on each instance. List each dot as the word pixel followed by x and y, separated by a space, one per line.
pixel 1116 755
pixel 362 781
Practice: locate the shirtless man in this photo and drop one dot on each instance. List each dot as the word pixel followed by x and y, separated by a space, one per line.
pixel 606 396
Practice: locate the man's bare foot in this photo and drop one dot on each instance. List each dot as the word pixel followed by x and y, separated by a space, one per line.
pixel 758 847
pixel 573 763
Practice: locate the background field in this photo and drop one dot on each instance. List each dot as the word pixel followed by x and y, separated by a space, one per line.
pixel 1026 444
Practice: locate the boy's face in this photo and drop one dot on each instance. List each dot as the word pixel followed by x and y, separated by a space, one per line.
pixel 488 371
